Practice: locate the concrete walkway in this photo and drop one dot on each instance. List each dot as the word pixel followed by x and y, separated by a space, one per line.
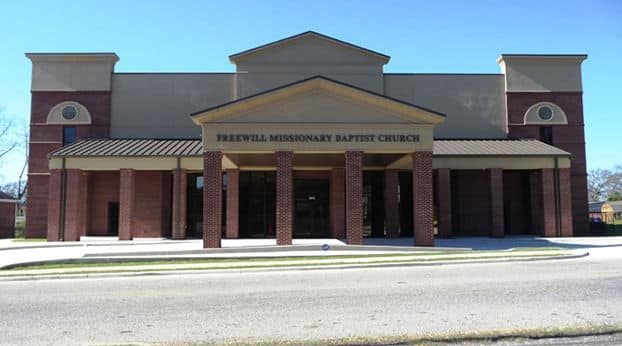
pixel 12 253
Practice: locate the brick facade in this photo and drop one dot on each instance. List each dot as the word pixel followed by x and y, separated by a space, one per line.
pixel 354 197
pixel 547 186
pixel 422 198
pixel 391 203
pixel 570 137
pixel 7 219
pixel 338 203
pixel 127 192
pixel 443 194
pixel 495 189
pixel 54 205
pixel 565 202
pixel 180 185
pixel 103 189
pixel 75 204
pixel 233 203
pixel 284 197
pixel 212 199
pixel 45 138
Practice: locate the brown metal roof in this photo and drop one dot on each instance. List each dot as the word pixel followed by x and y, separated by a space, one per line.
pixel 107 147
pixel 495 147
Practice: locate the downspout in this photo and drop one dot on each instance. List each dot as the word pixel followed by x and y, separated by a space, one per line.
pixel 63 198
pixel 176 230
pixel 558 214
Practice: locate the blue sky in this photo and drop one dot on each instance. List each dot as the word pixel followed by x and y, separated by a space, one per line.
pixel 420 36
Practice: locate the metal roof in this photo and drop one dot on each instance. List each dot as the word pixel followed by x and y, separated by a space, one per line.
pixel 495 147
pixel 108 147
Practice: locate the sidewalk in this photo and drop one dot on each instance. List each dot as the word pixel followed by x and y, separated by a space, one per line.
pixel 188 255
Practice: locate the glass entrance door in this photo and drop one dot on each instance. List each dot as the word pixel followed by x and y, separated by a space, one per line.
pixel 311 216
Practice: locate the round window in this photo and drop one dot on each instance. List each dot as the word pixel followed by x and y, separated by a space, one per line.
pixel 545 113
pixel 69 112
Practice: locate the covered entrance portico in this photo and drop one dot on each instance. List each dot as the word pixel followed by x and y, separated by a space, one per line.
pixel 315 133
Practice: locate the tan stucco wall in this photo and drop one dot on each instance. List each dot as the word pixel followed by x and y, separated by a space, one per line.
pixel 474 105
pixel 159 105
pixel 542 73
pixel 302 59
pixel 71 72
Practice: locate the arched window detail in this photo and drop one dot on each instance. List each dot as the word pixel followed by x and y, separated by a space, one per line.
pixel 69 113
pixel 545 113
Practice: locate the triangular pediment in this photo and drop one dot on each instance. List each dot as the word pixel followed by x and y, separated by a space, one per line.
pixel 318 100
pixel 309 48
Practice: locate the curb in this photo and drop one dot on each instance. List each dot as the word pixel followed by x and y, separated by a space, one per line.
pixel 285 269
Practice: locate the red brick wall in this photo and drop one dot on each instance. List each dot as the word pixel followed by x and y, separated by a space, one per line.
pixel 7 219
pixel 45 138
pixel 103 188
pixel 354 197
pixel 569 137
pixel 516 191
pixel 423 204
pixel 470 203
pixel 152 204
pixel 53 206
pixel 284 197
pixel 233 205
pixel 127 193
pixel 75 205
pixel 180 190
pixel 212 199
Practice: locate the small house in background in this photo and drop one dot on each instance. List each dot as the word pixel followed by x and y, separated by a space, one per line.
pixel 611 211
pixel 7 215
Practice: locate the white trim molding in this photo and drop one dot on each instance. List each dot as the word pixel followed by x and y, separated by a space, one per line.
pixel 82 115
pixel 532 117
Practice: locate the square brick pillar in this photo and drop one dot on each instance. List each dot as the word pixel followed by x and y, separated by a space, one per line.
pixel 354 197
pixel 423 212
pixel 180 190
pixel 127 186
pixel 565 200
pixel 338 203
pixel 495 190
pixel 212 199
pixel 391 203
pixel 233 205
pixel 284 197
pixel 75 204
pixel 54 201
pixel 547 188
pixel 443 193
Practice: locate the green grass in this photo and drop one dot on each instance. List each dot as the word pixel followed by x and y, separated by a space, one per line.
pixel 237 264
pixel 29 240
pixel 19 229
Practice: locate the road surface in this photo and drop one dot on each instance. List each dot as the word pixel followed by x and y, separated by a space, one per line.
pixel 315 304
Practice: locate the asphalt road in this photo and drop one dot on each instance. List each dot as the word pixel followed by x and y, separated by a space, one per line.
pixel 313 304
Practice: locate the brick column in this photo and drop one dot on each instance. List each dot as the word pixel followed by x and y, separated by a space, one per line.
pixel 422 198
pixel 180 190
pixel 75 204
pixel 284 197
pixel 443 193
pixel 354 197
pixel 565 202
pixel 127 185
pixel 495 190
pixel 338 203
pixel 547 187
pixel 233 196
pixel 391 203
pixel 212 199
pixel 54 200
